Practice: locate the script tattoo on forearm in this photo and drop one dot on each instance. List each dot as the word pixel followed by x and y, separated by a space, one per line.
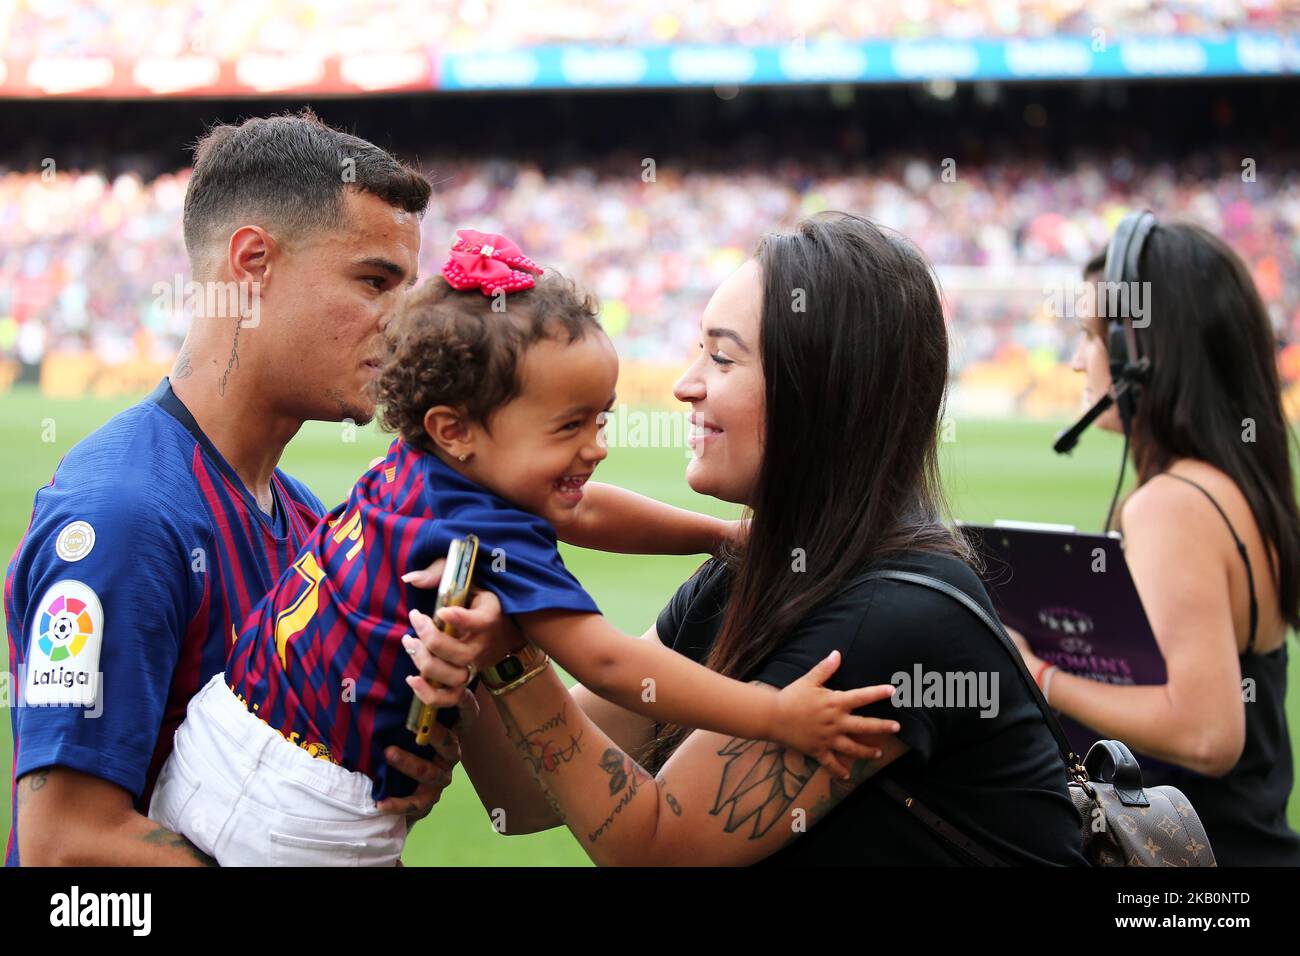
pixel 625 777
pixel 165 838
pixel 760 781
pixel 551 752
pixel 516 737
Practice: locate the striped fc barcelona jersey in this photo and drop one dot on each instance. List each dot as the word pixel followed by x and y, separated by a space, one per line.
pixel 321 659
pixel 143 555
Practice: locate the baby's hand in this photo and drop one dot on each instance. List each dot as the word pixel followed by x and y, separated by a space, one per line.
pixel 819 722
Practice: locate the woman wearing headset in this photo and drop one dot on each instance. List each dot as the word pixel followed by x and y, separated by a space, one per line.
pixel 1212 536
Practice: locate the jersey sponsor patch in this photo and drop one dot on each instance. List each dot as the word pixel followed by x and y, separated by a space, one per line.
pixel 75 541
pixel 63 653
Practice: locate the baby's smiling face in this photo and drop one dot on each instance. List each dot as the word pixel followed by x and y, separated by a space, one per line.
pixel 540 448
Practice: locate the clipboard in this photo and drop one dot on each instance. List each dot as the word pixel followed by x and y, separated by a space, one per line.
pixel 1071 595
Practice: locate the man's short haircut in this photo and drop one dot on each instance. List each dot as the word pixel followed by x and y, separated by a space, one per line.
pixel 287 174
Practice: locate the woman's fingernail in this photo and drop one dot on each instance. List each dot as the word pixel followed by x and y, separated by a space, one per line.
pixel 409 643
pixel 895 727
pixel 406 578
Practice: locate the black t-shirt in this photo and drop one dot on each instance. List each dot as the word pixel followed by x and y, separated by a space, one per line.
pixel 998 778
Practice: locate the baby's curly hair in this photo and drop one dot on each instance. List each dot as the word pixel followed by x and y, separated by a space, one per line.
pixel 450 348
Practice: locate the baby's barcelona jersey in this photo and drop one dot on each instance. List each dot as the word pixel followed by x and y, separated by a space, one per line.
pixel 144 554
pixel 321 658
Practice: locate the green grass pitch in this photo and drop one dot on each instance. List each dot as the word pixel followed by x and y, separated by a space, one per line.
pixel 992 469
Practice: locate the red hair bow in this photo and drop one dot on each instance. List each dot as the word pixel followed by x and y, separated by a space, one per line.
pixel 487 261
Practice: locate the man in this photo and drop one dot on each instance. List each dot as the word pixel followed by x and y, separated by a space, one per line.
pixel 161 530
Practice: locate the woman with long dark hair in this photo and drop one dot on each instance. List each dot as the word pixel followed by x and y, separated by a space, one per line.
pixel 1212 539
pixel 815 401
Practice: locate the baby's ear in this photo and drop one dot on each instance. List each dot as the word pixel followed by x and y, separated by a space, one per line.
pixel 448 428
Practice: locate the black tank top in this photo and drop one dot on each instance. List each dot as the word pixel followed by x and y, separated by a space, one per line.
pixel 1244 812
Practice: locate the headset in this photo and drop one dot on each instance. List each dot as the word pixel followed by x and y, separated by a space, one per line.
pixel 1129 368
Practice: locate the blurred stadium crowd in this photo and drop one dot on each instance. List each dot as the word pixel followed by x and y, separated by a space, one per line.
pixel 233 28
pixel 85 257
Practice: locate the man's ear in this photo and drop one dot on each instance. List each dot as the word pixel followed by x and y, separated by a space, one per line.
pixel 250 253
pixel 450 431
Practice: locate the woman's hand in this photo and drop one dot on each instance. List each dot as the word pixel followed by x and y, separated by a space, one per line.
pixel 1032 660
pixel 819 722
pixel 484 636
pixel 431 776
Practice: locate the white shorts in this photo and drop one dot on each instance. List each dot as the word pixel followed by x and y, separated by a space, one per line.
pixel 246 796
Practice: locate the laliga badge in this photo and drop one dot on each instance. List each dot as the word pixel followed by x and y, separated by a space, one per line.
pixel 75 541
pixel 67 633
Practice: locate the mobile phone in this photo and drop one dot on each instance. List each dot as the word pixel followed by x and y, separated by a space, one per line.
pixel 453 591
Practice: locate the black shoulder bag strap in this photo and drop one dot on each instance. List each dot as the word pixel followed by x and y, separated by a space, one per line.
pixel 933 822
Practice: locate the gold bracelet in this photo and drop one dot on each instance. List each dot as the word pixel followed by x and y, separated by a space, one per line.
pixel 498 691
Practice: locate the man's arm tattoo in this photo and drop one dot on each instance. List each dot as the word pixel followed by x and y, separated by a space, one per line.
pixel 36 780
pixel 165 838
